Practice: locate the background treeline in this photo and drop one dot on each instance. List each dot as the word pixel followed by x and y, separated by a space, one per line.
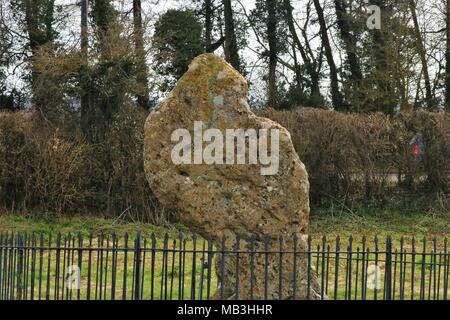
pixel 78 78
pixel 93 56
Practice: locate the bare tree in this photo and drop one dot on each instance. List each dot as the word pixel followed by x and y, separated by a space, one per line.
pixel 39 20
pixel 422 53
pixel 142 70
pixel 336 96
pixel 273 52
pixel 447 66
pixel 344 22
pixel 208 24
pixel 208 11
pixel 309 65
pixel 231 48
pixel 84 85
pixel 349 41
pixel 84 4
pixel 385 101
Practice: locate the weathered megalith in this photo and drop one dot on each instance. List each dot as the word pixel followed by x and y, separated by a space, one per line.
pixel 256 199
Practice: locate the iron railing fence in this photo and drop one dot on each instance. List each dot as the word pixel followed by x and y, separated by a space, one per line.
pixel 73 267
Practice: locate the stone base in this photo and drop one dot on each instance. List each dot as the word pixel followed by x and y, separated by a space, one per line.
pixel 259 271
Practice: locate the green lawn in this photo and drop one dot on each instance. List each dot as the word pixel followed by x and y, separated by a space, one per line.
pixel 363 222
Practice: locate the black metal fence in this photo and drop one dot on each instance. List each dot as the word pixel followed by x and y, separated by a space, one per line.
pixel 46 267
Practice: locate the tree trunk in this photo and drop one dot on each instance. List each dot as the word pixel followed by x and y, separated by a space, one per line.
pixel 386 102
pixel 32 30
pixel 447 67
pixel 84 76
pixel 273 52
pixel 231 48
pixel 106 104
pixel 421 49
pixel 336 96
pixel 142 70
pixel 297 67
pixel 84 28
pixel 208 24
pixel 310 69
pixel 210 45
pixel 39 28
pixel 382 68
pixel 349 41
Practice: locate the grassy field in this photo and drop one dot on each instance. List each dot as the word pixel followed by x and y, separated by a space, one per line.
pixel 330 222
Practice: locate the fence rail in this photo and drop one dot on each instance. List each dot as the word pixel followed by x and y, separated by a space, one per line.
pixel 71 267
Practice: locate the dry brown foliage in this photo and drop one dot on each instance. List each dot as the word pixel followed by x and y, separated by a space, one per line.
pixel 356 156
pixel 348 156
pixel 42 169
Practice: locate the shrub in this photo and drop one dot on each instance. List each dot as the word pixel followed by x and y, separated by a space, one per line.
pixel 349 157
pixel 46 170
pixel 59 170
pixel 357 156
pixel 121 172
pixel 40 169
pixel 16 151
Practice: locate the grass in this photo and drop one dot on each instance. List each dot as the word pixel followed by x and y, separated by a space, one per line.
pixel 396 220
pixel 113 272
pixel 112 276
pixel 48 223
pixel 419 218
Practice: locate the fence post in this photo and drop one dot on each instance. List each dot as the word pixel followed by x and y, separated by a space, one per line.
pixel 137 261
pixel 20 249
pixel 445 270
pixel 237 249
pixel 1 266
pixel 388 274
pixel 209 264
pixel 309 266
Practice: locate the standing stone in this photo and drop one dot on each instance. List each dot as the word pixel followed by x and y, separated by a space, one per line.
pixel 220 200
